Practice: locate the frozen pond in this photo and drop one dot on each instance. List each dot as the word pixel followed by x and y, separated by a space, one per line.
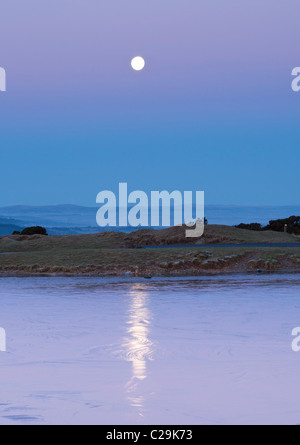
pixel 211 350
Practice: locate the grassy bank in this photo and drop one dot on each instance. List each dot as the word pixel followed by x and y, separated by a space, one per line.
pixel 114 254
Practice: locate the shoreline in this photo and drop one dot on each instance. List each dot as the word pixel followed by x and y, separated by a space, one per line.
pixel 149 275
pixel 147 253
pixel 132 277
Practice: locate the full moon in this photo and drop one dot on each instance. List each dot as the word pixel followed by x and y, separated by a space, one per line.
pixel 138 63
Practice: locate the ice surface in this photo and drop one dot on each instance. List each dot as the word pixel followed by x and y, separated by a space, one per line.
pixel 211 350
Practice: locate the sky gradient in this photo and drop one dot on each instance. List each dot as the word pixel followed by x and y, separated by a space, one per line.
pixel 213 110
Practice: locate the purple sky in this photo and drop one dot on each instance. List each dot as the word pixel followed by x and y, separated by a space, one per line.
pixel 213 110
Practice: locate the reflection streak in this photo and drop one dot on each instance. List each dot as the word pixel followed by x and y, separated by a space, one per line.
pixel 138 346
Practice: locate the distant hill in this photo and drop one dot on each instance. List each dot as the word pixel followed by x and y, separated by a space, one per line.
pixel 52 209
pixel 73 219
pixel 7 220
pixel 69 216
pixel 8 229
pixel 9 225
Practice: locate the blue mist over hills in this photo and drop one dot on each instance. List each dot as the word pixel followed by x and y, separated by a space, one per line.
pixel 72 219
